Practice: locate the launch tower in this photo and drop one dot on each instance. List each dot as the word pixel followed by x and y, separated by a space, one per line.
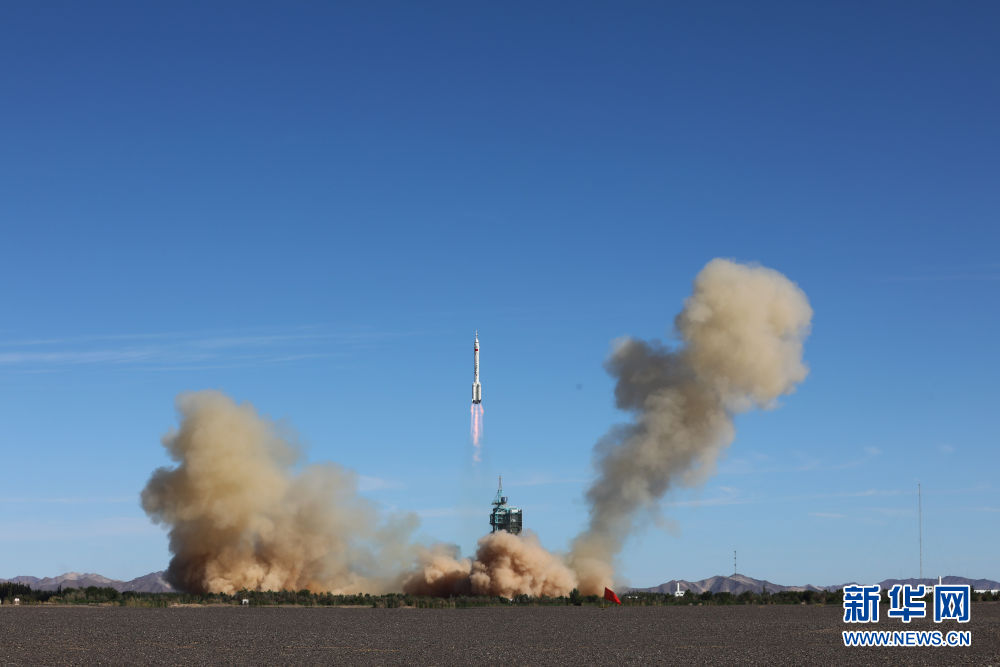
pixel 504 516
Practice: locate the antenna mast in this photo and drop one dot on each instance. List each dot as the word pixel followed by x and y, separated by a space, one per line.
pixel 735 570
pixel 920 529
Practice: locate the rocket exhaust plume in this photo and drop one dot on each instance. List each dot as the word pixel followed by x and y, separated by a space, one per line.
pixel 241 517
pixel 742 331
pixel 476 430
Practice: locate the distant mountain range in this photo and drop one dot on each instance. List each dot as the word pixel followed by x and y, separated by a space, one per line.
pixel 976 584
pixel 738 583
pixel 153 582
pixel 735 584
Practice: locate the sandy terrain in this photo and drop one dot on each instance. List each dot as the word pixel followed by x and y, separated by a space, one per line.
pixel 529 635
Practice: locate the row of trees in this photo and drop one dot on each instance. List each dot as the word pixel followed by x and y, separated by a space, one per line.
pixel 9 591
pixel 99 595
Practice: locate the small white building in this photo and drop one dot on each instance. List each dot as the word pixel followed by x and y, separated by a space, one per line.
pixel 991 591
pixel 17 600
pixel 245 601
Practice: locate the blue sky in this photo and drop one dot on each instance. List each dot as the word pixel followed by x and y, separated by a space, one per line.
pixel 311 207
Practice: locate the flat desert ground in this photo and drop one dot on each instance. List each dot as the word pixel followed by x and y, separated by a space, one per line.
pixel 31 635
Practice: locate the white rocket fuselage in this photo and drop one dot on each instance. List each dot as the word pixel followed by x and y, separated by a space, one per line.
pixel 477 389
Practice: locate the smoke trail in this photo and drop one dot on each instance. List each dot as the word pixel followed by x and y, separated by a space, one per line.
pixel 240 517
pixel 742 331
pixel 505 565
pixel 477 430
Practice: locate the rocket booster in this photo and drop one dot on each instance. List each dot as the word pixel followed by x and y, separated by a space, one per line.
pixel 477 389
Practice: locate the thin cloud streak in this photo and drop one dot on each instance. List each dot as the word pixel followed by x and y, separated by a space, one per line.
pixel 68 500
pixel 742 466
pixel 77 357
pixel 732 497
pixel 545 480
pixel 184 350
pixel 241 362
pixel 76 531
pixel 367 483
pixel 443 512
pixel 954 277
pixel 735 499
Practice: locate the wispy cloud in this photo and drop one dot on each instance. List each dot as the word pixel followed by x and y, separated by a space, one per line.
pixel 77 531
pixel 729 496
pixel 171 351
pixel 988 271
pixel 980 276
pixel 828 515
pixel 715 502
pixel 442 512
pixel 542 479
pixel 69 500
pixel 370 483
pixel 758 465
pixel 77 357
pixel 892 511
pixel 732 496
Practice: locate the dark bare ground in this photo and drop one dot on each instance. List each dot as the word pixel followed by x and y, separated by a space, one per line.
pixel 516 635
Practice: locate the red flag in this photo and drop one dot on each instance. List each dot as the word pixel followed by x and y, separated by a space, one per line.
pixel 610 596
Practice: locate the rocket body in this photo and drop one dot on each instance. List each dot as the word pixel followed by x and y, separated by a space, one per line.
pixel 477 389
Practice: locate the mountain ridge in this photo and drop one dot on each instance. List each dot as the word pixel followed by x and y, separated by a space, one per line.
pixel 154 582
pixel 740 583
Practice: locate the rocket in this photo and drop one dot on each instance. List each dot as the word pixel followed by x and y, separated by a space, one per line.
pixel 477 389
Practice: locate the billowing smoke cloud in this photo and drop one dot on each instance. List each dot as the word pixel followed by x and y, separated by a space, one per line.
pixel 240 516
pixel 505 565
pixel 742 331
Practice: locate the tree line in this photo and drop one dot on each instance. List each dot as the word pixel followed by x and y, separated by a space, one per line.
pixel 110 596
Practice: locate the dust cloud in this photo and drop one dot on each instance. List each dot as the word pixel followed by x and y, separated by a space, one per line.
pixel 242 515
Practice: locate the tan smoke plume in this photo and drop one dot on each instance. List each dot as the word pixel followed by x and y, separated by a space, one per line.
pixel 505 565
pixel 241 517
pixel 742 331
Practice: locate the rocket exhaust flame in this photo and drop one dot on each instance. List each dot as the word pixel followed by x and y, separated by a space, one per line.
pixel 476 410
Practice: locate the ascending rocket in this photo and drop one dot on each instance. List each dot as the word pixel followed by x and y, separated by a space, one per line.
pixel 477 389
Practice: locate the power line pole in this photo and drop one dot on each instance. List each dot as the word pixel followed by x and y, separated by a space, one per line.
pixel 735 570
pixel 920 529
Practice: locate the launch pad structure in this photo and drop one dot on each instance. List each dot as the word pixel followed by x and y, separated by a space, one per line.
pixel 504 517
